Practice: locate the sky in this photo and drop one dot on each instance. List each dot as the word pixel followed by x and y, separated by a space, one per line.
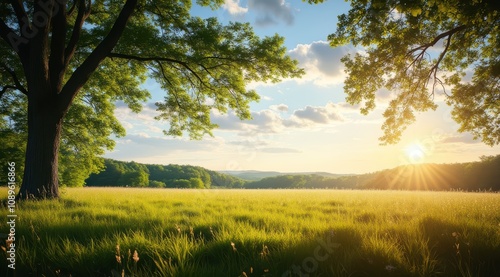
pixel 301 125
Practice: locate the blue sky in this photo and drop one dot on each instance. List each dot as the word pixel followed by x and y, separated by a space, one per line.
pixel 298 125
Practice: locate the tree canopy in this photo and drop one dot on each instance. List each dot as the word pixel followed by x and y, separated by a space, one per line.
pixel 67 63
pixel 421 50
pixel 131 174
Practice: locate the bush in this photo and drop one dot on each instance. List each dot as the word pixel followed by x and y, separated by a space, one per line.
pixel 156 184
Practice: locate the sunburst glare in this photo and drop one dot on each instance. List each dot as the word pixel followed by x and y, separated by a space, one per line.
pixel 415 153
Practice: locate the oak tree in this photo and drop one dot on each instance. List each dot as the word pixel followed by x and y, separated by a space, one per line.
pixel 419 49
pixel 71 61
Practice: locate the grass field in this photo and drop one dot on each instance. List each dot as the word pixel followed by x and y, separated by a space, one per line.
pixel 257 233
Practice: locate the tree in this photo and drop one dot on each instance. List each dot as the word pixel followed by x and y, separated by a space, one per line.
pixel 82 141
pixel 156 184
pixel 179 183
pixel 84 55
pixel 196 183
pixel 11 139
pixel 419 49
pixel 134 179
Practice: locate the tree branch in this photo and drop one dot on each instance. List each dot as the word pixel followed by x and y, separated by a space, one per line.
pixel 162 59
pixel 5 88
pixel 6 32
pixel 14 41
pixel 448 33
pixel 70 11
pixel 22 16
pixel 178 23
pixel 144 59
pixel 83 14
pixel 434 69
pixel 13 75
pixel 58 41
pixel 37 68
pixel 423 49
pixel 173 92
pixel 82 74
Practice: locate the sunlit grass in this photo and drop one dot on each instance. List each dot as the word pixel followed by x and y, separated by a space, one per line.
pixel 259 233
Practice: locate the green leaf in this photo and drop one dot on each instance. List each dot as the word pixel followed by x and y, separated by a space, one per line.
pixel 410 47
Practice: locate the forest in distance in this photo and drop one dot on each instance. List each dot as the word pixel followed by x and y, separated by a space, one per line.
pixel 481 175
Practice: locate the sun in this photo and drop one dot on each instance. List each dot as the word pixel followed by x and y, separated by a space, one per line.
pixel 415 153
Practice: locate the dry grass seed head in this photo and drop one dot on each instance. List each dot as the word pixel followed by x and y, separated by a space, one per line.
pixel 117 254
pixel 135 257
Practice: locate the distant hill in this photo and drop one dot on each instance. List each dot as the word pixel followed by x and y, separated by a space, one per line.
pixel 473 176
pixel 255 175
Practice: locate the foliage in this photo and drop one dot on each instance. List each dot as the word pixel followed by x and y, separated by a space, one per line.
pixel 156 184
pixel 73 61
pixel 420 49
pixel 122 174
pixel 10 151
pixel 82 143
pixel 259 232
pixel 12 139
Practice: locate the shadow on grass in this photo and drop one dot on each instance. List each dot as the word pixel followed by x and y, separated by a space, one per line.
pixel 321 255
pixel 89 251
pixel 463 250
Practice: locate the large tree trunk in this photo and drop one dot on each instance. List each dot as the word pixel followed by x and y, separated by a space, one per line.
pixel 40 179
pixel 45 62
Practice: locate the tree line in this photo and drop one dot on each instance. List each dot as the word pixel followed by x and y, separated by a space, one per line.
pixel 132 174
pixel 473 176
pixel 481 175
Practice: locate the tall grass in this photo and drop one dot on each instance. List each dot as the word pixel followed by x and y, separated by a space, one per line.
pixel 257 233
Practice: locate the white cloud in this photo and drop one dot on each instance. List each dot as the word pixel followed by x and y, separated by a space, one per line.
pixel 275 120
pixel 233 7
pixel 160 149
pixel 266 120
pixel 279 150
pixel 269 12
pixel 346 107
pixel 155 129
pixel 127 125
pixel 250 142
pixel 279 108
pixel 465 138
pixel 321 62
pixel 320 115
pixel 267 98
pixel 262 144
pixel 147 114
pixel 143 122
pixel 143 135
pixel 229 121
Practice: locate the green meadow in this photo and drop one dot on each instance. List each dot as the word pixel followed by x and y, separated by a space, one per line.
pixel 169 232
